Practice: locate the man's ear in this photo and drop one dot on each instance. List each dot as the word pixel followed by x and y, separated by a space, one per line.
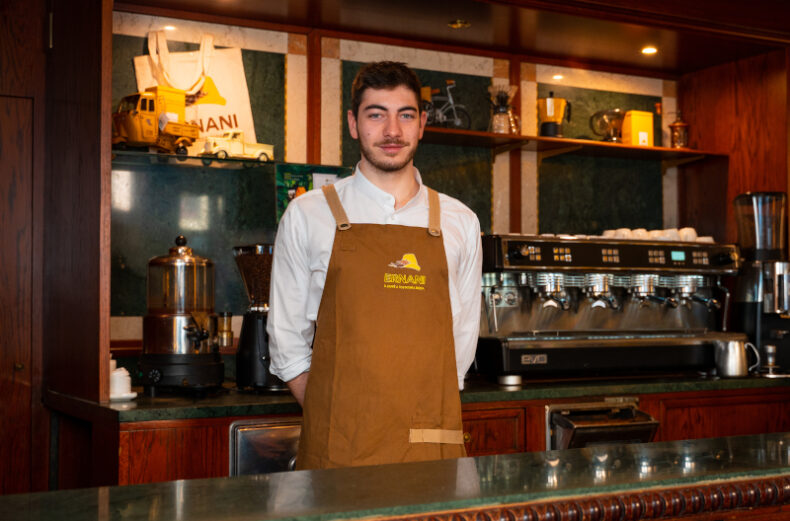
pixel 352 125
pixel 423 121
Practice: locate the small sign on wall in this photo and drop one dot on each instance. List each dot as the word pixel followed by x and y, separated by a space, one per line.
pixel 293 180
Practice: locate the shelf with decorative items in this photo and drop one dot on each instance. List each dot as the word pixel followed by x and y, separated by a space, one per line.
pixel 551 146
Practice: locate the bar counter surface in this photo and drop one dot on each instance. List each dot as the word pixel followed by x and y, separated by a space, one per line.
pixel 745 475
pixel 230 402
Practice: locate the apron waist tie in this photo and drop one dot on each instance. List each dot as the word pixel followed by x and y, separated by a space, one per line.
pixel 436 436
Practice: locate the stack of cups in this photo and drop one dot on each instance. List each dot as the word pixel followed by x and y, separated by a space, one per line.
pixel 120 381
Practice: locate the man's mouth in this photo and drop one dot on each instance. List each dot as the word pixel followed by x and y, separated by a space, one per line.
pixel 392 147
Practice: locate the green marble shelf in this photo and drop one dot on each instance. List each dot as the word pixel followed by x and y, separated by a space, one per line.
pixel 230 402
pixel 680 477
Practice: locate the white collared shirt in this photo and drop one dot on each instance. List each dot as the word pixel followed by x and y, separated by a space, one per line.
pixel 304 245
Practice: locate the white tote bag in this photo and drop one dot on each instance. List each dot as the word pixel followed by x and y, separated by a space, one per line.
pixel 217 97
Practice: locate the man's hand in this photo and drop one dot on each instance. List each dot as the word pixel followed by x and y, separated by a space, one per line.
pixel 297 387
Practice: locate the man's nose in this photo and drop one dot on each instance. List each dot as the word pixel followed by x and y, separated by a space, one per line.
pixel 392 128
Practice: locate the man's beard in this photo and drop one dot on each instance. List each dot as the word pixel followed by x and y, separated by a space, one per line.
pixel 385 166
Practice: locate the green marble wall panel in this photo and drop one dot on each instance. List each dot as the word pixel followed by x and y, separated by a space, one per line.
pixel 265 73
pixel 588 195
pixel 460 172
pixel 586 102
pixel 216 209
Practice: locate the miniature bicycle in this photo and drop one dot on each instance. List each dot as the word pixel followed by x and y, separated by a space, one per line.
pixel 442 110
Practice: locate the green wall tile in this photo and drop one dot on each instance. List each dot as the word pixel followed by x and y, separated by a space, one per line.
pixel 233 207
pixel 587 195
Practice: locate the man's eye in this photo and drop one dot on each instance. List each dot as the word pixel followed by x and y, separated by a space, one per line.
pixel 407 115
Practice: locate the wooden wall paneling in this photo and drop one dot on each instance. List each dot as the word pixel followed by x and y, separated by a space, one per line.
pixel 74 444
pixel 76 267
pixel 22 62
pixel 738 108
pixel 703 196
pixel 105 453
pixel 16 236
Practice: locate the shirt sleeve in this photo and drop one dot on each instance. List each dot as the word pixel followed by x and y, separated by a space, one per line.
pixel 467 327
pixel 290 331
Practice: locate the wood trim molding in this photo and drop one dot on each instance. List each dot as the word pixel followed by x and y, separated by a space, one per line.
pixel 669 503
pixel 314 98
pixel 515 155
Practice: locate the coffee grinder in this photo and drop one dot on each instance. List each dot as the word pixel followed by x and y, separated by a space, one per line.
pixel 762 295
pixel 252 357
pixel 180 349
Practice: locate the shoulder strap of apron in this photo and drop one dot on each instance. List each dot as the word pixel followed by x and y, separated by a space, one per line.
pixel 337 209
pixel 434 213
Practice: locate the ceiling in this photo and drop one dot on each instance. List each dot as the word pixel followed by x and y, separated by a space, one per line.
pixel 594 33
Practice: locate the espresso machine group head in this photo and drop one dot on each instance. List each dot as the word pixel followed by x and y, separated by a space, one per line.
pixel 252 358
pixel 762 303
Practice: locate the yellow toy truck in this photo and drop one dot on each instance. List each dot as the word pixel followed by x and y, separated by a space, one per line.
pixel 155 118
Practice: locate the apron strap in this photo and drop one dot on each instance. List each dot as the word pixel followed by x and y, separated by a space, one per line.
pixel 436 436
pixel 337 209
pixel 434 214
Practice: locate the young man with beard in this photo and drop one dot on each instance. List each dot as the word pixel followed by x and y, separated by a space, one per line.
pixel 381 276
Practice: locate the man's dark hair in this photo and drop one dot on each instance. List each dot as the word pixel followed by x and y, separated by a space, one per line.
pixel 383 75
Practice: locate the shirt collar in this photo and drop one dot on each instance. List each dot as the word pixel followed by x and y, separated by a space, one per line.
pixel 364 185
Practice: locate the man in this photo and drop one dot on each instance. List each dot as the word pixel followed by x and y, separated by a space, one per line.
pixel 382 276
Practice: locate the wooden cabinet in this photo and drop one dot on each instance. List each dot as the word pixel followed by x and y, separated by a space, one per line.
pixel 494 431
pixel 724 413
pixel 198 448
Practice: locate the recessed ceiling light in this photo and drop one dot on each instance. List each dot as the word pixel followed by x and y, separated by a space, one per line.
pixel 649 50
pixel 558 76
pixel 458 24
pixel 170 28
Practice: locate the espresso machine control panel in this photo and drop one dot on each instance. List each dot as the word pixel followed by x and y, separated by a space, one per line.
pixel 504 252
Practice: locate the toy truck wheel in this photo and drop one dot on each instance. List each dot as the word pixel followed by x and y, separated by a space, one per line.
pixel 263 157
pixel 221 154
pixel 181 151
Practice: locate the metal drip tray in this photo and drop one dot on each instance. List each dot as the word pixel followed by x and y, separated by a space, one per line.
pixel 559 339
pixel 572 352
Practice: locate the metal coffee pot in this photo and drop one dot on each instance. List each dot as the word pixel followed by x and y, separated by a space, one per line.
pixel 730 357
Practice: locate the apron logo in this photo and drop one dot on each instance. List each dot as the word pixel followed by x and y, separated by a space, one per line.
pixel 402 280
pixel 409 261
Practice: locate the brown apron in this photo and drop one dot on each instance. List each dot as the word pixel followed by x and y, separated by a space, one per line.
pixel 383 384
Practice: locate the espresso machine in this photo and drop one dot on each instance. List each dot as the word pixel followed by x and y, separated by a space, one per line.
pixel 180 349
pixel 762 294
pixel 252 358
pixel 565 306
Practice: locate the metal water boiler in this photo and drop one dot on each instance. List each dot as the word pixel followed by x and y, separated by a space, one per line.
pixel 180 346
